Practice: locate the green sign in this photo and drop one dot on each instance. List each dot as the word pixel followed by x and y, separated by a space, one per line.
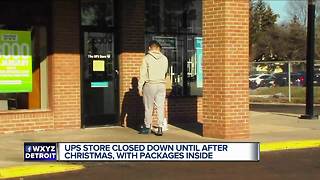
pixel 15 61
pixel 99 84
pixel 199 55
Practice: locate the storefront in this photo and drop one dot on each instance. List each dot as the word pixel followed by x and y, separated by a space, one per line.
pixel 73 64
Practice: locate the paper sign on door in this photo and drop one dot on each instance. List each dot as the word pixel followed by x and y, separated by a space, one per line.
pixel 98 65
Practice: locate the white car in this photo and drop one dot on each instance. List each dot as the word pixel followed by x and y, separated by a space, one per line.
pixel 259 77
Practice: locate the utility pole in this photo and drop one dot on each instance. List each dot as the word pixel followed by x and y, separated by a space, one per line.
pixel 310 62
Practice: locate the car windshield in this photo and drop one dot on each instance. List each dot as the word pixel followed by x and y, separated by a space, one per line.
pixel 280 75
pixel 253 76
pixel 265 77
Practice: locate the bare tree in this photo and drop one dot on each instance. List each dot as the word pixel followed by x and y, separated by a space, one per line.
pixel 299 9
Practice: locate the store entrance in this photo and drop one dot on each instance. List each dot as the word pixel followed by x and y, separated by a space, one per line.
pixel 99 79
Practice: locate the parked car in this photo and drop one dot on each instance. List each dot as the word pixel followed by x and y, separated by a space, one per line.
pixel 268 82
pixel 253 85
pixel 282 79
pixel 259 77
pixel 297 79
pixel 316 79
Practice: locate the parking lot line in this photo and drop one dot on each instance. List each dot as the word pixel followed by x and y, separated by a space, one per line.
pixel 37 169
pixel 286 145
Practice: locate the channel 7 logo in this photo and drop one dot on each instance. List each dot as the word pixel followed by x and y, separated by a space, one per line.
pixel 28 149
pixel 40 151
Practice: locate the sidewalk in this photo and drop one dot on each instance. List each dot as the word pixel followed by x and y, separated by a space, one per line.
pixel 265 127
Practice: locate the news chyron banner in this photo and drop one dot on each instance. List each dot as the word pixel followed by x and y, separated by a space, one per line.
pixel 142 151
pixel 15 61
pixel 40 151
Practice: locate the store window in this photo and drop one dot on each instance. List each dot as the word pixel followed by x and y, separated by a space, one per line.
pixel 177 25
pixel 24 54
pixel 97 13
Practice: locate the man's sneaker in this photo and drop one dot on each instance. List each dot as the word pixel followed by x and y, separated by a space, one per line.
pixel 159 132
pixel 144 130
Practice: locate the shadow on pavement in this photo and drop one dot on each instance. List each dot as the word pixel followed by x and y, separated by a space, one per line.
pixel 194 127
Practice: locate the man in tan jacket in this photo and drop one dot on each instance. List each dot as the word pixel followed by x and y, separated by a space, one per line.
pixel 152 85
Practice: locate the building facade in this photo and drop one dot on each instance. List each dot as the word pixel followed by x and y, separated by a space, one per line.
pixel 86 54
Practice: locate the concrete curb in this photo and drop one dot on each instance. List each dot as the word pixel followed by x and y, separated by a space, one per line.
pixel 281 104
pixel 287 145
pixel 37 169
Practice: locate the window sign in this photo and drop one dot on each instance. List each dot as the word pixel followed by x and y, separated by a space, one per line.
pixel 15 61
pixel 98 65
pixel 199 53
pixel 166 42
pixel 99 84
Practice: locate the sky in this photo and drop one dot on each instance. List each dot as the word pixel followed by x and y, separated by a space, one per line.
pixel 279 7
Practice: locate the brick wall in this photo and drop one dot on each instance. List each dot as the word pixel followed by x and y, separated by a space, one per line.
pixel 66 64
pixel 225 66
pixel 25 121
pixel 131 34
pixel 184 109
pixel 223 109
pixel 131 52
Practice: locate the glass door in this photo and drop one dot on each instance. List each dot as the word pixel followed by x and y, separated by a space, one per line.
pixel 99 79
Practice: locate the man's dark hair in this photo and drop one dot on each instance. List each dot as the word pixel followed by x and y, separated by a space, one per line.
pixel 154 44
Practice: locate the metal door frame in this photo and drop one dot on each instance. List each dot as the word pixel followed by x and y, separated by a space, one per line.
pixel 114 32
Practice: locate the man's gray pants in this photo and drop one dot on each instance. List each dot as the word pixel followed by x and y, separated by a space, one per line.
pixel 154 95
